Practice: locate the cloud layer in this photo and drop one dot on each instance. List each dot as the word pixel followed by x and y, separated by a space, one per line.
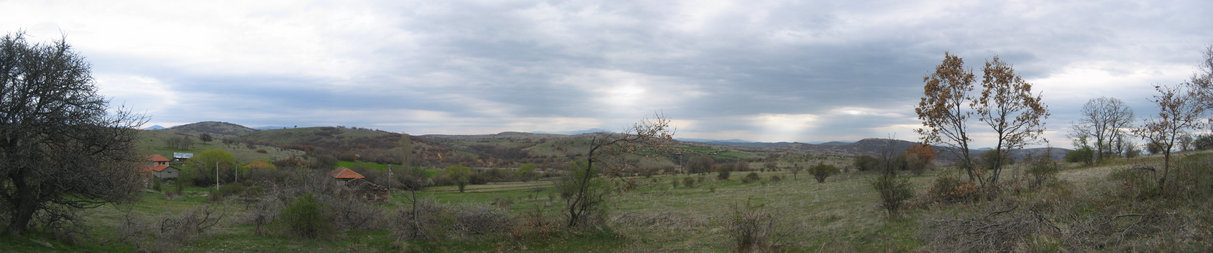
pixel 758 70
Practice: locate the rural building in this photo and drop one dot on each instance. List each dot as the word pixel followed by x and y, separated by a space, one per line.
pixel 357 185
pixel 182 157
pixel 345 174
pixel 158 166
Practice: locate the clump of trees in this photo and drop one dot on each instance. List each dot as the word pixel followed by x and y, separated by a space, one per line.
pixel 1005 103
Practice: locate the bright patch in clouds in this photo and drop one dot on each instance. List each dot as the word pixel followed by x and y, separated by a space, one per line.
pixel 776 127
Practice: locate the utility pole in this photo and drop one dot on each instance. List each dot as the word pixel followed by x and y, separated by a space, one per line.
pixel 216 176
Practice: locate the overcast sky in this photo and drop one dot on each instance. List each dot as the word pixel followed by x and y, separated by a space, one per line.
pixel 806 71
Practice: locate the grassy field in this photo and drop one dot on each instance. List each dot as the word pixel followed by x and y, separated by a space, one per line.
pixel 839 215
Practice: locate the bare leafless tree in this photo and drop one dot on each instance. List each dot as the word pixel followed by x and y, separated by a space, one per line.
pixel 61 148
pixel 1105 119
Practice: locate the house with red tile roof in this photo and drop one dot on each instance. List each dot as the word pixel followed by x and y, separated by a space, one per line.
pixel 357 185
pixel 158 166
pixel 345 174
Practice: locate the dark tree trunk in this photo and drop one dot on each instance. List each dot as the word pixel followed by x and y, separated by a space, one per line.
pixel 25 206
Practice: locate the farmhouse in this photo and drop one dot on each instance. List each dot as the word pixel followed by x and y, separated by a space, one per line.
pixel 345 174
pixel 158 166
pixel 357 185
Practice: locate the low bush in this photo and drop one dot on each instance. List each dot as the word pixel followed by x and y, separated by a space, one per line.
pixel 1042 170
pixel 751 228
pixel 949 189
pixel 821 171
pixel 1191 178
pixel 479 218
pixel 435 222
pixel 750 178
pixel 304 218
pixel 893 193
pixel 167 232
pixel 350 213
pixel 1084 155
pixel 689 182
pixel 722 173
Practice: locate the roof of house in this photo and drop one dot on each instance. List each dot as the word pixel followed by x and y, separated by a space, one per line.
pixel 156 158
pixel 345 173
pixel 160 168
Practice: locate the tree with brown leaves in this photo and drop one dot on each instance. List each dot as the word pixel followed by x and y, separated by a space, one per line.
pixel 1178 112
pixel 943 108
pixel 1009 107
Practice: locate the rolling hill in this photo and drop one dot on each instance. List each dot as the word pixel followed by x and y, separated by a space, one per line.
pixel 501 149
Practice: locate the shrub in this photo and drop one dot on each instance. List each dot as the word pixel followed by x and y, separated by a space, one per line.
pixel 1192 179
pixel 893 192
pixel 866 163
pixel 750 178
pixel 1042 170
pixel 951 190
pixel 689 182
pixel 775 178
pixel 436 222
pixel 479 218
pixel 1085 155
pixel 585 203
pixel 225 191
pixel 167 232
pixel 722 173
pixel 304 219
pixel 156 184
pixel 990 157
pixel 350 213
pixel 751 228
pixel 428 223
pixel 459 175
pixel 916 163
pixel 701 164
pixel 821 171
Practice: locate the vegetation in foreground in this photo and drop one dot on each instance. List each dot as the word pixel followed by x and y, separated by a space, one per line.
pixel 1116 208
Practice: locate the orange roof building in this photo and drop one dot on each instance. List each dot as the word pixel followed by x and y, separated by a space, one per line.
pixel 159 168
pixel 157 158
pixel 345 173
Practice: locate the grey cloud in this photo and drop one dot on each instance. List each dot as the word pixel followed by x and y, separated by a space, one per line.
pixel 492 64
